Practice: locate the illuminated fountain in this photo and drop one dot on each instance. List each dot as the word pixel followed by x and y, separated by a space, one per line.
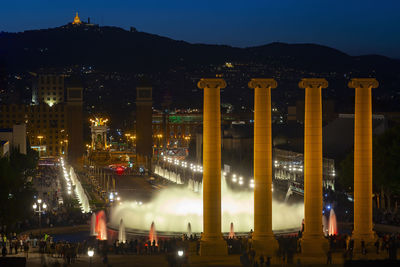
pixel 101 228
pixel 121 232
pixel 93 225
pixel 231 232
pixel 153 234
pixel 173 208
pixel 332 223
pixel 80 192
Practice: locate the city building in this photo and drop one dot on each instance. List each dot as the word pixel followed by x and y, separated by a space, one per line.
pixel 15 136
pixel 54 125
pixel 4 148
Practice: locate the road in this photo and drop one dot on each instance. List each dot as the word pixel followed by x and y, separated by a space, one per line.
pixel 134 188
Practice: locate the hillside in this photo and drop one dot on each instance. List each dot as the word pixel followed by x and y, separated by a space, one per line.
pixel 115 49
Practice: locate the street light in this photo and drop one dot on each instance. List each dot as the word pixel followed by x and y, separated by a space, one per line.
pixel 90 253
pixel 40 137
pixel 39 208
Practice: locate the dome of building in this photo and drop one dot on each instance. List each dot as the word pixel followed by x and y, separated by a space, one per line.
pixel 77 20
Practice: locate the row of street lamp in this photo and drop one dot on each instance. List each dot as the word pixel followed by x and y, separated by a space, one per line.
pixel 198 168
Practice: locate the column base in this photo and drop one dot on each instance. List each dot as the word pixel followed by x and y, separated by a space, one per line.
pixel 213 247
pixel 369 241
pixel 314 246
pixel 266 245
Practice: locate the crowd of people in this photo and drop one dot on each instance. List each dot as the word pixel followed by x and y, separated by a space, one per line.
pixel 289 245
pixel 387 217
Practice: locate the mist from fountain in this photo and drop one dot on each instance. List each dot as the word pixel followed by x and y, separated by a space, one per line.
pixel 231 232
pixel 325 225
pixel 189 229
pixel 121 232
pixel 332 223
pixel 153 234
pixel 173 208
pixel 93 225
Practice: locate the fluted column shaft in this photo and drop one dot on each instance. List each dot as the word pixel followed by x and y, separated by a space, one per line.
pixel 212 242
pixel 263 238
pixel 363 159
pixel 313 235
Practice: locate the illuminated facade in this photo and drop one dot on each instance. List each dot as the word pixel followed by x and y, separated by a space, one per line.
pixel 177 129
pixel 54 128
pixel 50 89
pixel 99 133
pixel 45 126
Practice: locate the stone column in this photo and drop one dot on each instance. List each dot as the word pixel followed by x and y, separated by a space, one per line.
pixel 263 237
pixel 363 160
pixel 313 242
pixel 212 243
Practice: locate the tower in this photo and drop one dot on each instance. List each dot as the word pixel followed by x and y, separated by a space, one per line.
pixel 74 104
pixel 144 132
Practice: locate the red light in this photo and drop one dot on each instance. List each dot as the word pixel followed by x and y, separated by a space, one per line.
pixel 120 170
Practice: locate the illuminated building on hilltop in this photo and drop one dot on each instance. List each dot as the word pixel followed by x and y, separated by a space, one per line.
pixel 77 20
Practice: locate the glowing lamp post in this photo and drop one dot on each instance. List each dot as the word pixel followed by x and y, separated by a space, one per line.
pixel 39 208
pixel 40 137
pixel 90 254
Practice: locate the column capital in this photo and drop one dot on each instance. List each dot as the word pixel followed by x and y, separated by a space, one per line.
pixel 363 83
pixel 262 83
pixel 216 83
pixel 313 83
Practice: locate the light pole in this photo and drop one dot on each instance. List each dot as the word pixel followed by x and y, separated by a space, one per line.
pixel 40 137
pixel 39 208
pixel 128 135
pixel 66 147
pixel 90 254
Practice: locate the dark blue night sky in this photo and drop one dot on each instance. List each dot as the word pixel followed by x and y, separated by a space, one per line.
pixel 353 26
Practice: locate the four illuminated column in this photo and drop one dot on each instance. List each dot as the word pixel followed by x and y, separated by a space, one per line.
pixel 313 241
pixel 212 243
pixel 363 160
pixel 263 237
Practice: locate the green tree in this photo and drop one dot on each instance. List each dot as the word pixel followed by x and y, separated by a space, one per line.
pixel 16 191
pixel 386 167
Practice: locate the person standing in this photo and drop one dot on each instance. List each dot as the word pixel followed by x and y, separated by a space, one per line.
pixel 26 249
pixel 261 260
pixel 4 251
pixel 329 257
